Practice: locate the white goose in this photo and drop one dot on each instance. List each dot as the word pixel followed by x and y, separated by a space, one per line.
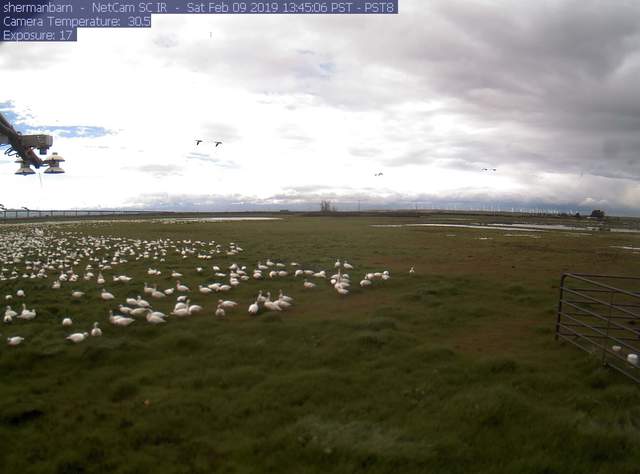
pixel 26 314
pixel 154 319
pixel 77 337
pixel 15 340
pixel 96 331
pixel 105 295
pixel 271 305
pixel 142 303
pixel 194 308
pixel 181 312
pixel 227 304
pixel 67 322
pixel 254 308
pixel 139 311
pixel 119 320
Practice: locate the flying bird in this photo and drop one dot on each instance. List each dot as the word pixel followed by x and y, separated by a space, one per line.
pixel 215 142
pixel 489 169
pixel 378 174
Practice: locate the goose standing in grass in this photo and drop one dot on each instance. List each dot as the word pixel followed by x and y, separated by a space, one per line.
pixel 227 304
pixel 157 294
pixel 411 271
pixel 100 279
pixel 272 305
pixel 282 296
pixel 254 308
pixel 220 313
pixel 105 295
pixel 20 293
pixel 77 337
pixel 181 287
pixel 347 266
pixel 142 303
pixel 261 299
pixel 194 308
pixel 27 314
pixel 139 311
pixel 282 304
pixel 119 320
pixel 8 319
pixel 308 284
pixel 55 285
pixel 77 294
pixel 96 331
pixel 365 282
pixel 67 322
pixel 15 340
pixel 155 319
pixel 181 312
pixel 9 312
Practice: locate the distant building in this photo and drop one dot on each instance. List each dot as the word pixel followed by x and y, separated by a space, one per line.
pixel 597 213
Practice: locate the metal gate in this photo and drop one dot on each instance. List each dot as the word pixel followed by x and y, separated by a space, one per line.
pixel 601 315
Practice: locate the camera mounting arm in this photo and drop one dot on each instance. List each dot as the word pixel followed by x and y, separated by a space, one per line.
pixel 22 145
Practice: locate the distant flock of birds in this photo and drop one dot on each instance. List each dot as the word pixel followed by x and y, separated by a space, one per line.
pixel 58 255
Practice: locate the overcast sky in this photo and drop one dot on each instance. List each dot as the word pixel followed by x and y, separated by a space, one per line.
pixel 311 107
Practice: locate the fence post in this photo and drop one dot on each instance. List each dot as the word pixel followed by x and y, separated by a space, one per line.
pixel 564 275
pixel 604 347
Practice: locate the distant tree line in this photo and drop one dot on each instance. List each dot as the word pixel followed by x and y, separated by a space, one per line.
pixel 326 207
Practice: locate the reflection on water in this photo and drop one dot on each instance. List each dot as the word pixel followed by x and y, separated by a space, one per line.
pixel 466 226
pixel 513 227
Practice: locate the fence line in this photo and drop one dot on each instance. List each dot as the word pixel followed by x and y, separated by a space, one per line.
pixel 600 314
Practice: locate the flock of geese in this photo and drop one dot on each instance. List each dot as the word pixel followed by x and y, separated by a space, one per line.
pixel 26 253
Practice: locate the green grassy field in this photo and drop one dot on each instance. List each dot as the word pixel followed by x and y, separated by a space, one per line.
pixel 454 369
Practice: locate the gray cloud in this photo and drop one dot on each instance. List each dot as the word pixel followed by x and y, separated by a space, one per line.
pixel 535 89
pixel 555 81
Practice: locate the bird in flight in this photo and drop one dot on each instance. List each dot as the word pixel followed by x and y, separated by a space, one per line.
pixel 216 142
pixel 489 169
pixel 378 174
